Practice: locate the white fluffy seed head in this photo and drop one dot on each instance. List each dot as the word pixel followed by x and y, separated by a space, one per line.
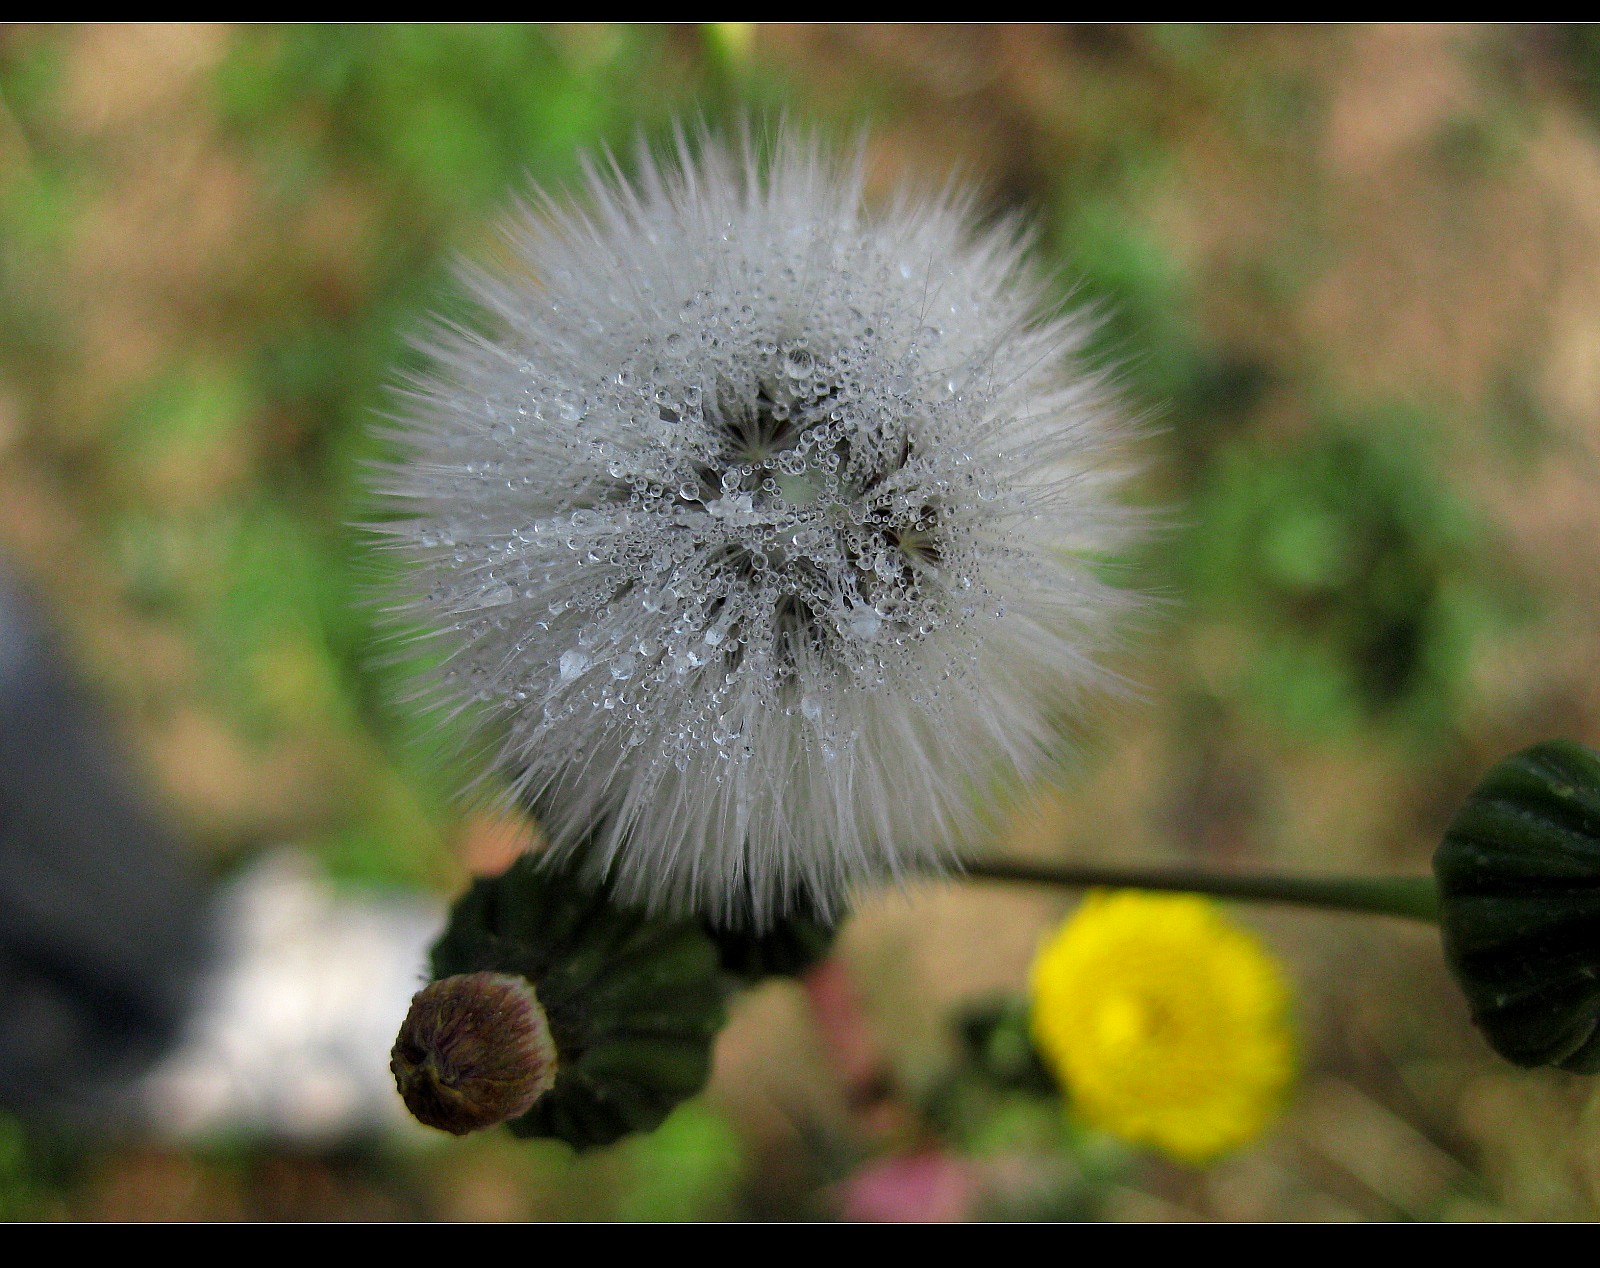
pixel 764 519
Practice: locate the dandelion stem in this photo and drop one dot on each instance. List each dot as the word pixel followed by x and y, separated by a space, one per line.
pixel 1409 897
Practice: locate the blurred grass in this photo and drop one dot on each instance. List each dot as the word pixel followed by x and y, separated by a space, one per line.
pixel 1350 275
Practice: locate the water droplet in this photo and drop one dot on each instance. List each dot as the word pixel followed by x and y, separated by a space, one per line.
pixel 573 663
pixel 865 623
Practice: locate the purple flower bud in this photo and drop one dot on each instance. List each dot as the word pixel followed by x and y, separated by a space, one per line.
pixel 475 1051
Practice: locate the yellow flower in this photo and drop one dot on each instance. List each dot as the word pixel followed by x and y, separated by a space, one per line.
pixel 1166 1024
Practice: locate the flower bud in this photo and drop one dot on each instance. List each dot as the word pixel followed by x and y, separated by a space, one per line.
pixel 634 1002
pixel 1519 906
pixel 475 1051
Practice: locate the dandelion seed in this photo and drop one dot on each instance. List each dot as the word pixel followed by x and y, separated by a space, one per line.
pixel 782 462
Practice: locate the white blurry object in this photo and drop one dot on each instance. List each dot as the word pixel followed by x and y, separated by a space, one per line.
pixel 290 1036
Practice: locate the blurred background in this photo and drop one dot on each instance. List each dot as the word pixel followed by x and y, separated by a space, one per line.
pixel 1351 275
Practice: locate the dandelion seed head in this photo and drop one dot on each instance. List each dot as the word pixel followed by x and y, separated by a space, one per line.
pixel 762 517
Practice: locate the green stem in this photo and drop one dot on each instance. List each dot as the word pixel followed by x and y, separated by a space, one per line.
pixel 1409 897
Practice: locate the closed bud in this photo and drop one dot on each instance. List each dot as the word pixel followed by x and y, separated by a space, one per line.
pixel 475 1051
pixel 1519 906
pixel 634 1002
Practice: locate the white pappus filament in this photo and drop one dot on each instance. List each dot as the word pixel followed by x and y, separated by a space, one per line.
pixel 764 519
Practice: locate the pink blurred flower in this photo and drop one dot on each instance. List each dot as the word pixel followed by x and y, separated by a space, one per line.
pixel 921 1188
